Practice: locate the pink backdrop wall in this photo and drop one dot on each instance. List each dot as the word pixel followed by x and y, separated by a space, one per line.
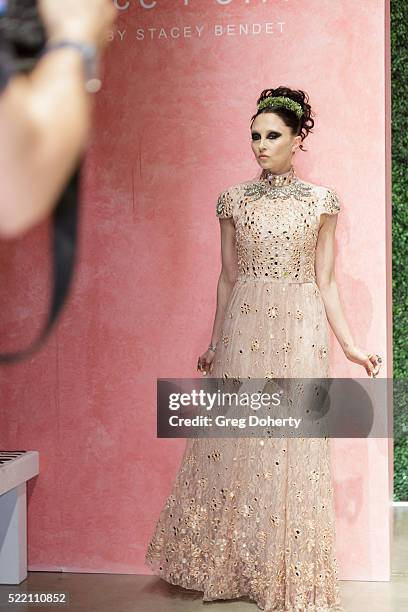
pixel 171 131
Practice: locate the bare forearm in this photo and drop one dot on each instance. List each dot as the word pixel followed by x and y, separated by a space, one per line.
pixel 224 289
pixel 45 120
pixel 335 315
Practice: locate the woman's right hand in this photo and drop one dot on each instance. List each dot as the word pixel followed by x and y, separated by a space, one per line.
pixel 204 363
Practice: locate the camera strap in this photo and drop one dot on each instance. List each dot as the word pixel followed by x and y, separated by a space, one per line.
pixel 63 242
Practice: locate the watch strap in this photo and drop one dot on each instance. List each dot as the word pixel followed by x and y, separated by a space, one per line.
pixel 90 56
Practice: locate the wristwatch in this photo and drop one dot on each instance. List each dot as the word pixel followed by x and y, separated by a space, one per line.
pixel 90 55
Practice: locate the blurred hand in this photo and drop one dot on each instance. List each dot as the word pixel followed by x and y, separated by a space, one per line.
pixel 204 364
pixel 81 20
pixel 369 361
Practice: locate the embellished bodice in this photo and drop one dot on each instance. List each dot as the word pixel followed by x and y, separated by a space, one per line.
pixel 277 218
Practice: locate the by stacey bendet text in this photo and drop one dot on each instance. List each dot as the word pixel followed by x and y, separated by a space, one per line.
pixel 174 32
pixel 219 23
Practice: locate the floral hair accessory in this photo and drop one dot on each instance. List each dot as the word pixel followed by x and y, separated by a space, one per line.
pixel 279 102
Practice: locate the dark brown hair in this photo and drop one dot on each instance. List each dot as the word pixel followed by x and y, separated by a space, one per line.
pixel 298 126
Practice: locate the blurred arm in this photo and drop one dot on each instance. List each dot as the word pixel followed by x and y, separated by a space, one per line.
pixel 44 125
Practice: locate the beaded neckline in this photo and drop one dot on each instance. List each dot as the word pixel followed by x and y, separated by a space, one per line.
pixel 278 180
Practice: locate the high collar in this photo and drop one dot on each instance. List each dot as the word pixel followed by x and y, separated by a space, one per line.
pixel 277 180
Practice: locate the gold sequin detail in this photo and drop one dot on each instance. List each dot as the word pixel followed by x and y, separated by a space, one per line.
pixel 270 374
pixel 331 204
pixel 224 206
pixel 294 208
pixel 322 352
pixel 215 454
pixel 314 476
pixel 255 345
pixel 273 312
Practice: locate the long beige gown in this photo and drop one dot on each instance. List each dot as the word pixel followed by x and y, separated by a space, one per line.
pixel 255 517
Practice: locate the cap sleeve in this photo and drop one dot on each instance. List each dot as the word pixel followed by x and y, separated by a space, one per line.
pixel 330 203
pixel 224 206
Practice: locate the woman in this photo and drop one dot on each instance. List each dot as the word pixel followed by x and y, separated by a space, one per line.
pixel 255 517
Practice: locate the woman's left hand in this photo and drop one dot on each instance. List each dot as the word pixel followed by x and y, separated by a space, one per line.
pixel 370 361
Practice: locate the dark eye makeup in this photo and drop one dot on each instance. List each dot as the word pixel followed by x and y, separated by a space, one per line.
pixel 273 135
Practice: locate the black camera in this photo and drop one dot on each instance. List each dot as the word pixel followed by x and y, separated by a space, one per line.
pixel 22 28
